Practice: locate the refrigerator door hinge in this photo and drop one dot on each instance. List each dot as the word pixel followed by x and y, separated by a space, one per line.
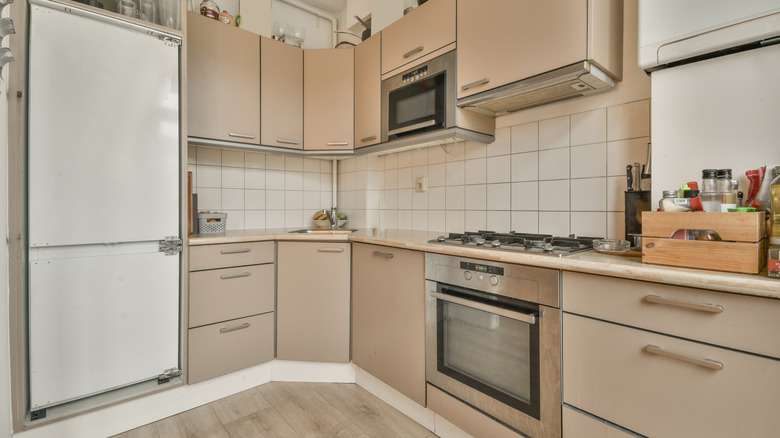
pixel 172 245
pixel 168 375
pixel 171 42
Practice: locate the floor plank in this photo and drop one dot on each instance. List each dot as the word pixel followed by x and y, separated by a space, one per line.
pixel 266 423
pixel 200 422
pixel 148 431
pixel 307 412
pixel 240 405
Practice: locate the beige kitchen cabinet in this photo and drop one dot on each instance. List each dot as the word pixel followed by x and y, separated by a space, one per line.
pixel 368 90
pixel 388 316
pixel 579 425
pixel 281 94
pixel 231 308
pixel 313 293
pixel 634 354
pixel 513 40
pixel 328 101
pixel 223 81
pixel 424 30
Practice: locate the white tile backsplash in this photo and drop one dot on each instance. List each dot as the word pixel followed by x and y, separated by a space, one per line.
pixel 589 194
pixel 589 127
pixel 554 164
pixel 554 133
pixel 499 169
pixel 476 171
pixel 525 137
pixel 554 195
pixel 589 160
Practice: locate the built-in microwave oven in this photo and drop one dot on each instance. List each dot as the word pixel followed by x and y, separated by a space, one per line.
pixel 420 99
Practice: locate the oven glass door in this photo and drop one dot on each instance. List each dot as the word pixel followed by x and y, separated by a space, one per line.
pixel 494 354
pixel 417 107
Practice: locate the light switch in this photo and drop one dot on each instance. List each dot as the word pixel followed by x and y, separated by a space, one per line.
pixel 421 183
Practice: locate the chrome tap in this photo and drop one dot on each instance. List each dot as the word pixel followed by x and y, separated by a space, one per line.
pixel 333 217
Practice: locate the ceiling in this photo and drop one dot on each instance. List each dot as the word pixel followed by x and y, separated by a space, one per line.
pixel 332 6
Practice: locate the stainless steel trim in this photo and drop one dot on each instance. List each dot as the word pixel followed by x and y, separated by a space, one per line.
pixel 706 363
pixel 414 127
pixel 285 141
pixel 235 251
pixel 337 143
pixel 234 328
pixel 238 135
pixel 704 307
pixel 330 249
pixel 482 81
pixel 523 317
pixel 413 51
pixel 383 254
pixel 236 275
pixel 373 137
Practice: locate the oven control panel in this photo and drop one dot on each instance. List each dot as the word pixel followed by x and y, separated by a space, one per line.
pixel 416 74
pixel 478 267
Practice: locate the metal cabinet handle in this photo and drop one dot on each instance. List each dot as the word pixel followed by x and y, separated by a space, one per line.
pixel 285 141
pixel 704 307
pixel 373 137
pixel 413 51
pixel 523 317
pixel 482 81
pixel 235 251
pixel 337 143
pixel 234 328
pixel 236 275
pixel 706 363
pixel 383 254
pixel 235 134
pixel 330 249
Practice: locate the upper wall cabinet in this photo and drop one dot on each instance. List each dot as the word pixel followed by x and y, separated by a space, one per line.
pixel 368 89
pixel 281 98
pixel 516 40
pixel 424 30
pixel 223 81
pixel 328 104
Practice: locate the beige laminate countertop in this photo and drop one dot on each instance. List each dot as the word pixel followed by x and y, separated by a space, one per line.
pixel 589 262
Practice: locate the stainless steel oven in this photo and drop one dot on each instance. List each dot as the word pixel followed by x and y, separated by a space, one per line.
pixel 493 339
pixel 420 99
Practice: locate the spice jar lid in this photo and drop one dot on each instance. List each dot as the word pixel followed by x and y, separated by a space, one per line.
pixel 690 193
pixel 670 193
pixel 709 173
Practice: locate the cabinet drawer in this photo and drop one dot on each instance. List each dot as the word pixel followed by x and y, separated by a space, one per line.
pixel 222 294
pixel 231 254
pixel 578 425
pixel 742 324
pixel 230 346
pixel 608 372
pixel 424 30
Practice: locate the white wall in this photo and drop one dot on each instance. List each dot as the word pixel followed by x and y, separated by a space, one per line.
pixel 5 358
pixel 719 113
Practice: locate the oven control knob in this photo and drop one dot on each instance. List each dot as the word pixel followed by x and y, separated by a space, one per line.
pixel 493 280
pixel 467 275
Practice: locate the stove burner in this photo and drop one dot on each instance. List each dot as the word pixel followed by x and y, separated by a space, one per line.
pixel 514 241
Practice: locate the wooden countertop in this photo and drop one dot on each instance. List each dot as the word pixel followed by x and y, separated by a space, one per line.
pixel 589 262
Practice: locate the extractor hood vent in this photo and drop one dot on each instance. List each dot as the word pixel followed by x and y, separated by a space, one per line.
pixel 568 82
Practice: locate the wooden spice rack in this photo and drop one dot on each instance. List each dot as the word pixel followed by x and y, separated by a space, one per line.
pixel 742 247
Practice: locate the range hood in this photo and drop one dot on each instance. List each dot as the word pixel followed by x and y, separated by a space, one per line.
pixel 575 80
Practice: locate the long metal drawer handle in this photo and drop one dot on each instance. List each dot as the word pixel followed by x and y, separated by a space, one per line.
pixel 285 141
pixel 383 254
pixel 235 134
pixel 523 317
pixel 337 143
pixel 704 307
pixel 330 249
pixel 413 51
pixel 236 275
pixel 235 251
pixel 234 328
pixel 373 137
pixel 482 81
pixel 706 363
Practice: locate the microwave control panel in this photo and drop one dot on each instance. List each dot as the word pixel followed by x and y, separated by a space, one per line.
pixel 416 74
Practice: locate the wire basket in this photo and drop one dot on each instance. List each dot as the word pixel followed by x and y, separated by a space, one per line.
pixel 210 223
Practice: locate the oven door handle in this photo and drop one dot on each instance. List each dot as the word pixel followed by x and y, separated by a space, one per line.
pixel 519 316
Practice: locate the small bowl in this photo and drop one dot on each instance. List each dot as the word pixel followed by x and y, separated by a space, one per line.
pixel 611 245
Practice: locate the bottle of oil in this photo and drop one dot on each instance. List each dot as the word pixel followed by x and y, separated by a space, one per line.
pixel 773 255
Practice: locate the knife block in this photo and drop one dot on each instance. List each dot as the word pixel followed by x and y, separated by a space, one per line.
pixel 637 201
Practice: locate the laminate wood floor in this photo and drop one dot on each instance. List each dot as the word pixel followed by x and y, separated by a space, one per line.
pixel 288 410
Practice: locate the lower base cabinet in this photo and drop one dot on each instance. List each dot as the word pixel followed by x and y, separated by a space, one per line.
pixel 578 425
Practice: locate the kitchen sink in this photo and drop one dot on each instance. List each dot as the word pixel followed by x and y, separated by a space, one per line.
pixel 324 231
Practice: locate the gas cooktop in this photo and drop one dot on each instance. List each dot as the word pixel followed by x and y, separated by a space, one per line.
pixel 545 244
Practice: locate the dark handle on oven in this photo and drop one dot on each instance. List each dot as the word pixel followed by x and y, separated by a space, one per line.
pixel 523 317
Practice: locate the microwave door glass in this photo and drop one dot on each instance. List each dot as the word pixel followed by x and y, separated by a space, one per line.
pixel 417 107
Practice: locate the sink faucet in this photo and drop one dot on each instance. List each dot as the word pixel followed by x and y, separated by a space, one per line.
pixel 333 217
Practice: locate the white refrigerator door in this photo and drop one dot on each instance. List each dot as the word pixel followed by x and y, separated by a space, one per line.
pixel 103 132
pixel 103 190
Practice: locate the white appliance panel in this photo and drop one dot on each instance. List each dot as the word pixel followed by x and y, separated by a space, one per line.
pixel 103 132
pixel 100 323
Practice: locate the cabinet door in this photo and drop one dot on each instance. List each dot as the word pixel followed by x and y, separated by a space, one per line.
pixel 328 104
pixel 427 28
pixel 313 301
pixel 513 40
pixel 223 81
pixel 388 316
pixel 368 89
pixel 281 97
